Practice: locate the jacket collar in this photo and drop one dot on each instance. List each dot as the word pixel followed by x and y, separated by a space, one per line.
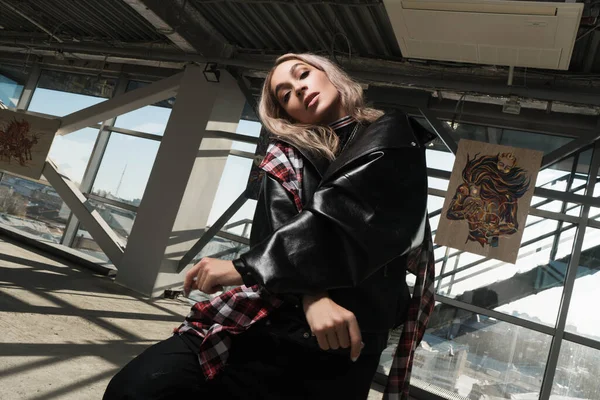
pixel 392 130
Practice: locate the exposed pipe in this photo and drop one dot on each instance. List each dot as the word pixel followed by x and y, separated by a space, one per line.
pixel 362 68
pixel 161 25
pixel 146 54
pixel 511 74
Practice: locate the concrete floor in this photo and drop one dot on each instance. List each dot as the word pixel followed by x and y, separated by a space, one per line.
pixel 64 331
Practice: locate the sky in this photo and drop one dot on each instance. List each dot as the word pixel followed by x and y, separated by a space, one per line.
pixel 9 91
pixel 131 158
pixel 126 156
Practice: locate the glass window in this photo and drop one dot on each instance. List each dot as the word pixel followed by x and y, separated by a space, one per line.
pixel 533 141
pixel 248 128
pixel 120 220
pixel 233 183
pixel 230 247
pixel 434 203
pixel 72 152
pixel 235 179
pixel 558 175
pixel 84 242
pixel 10 89
pixel 248 113
pixel 437 159
pixel 595 211
pixel 224 249
pixel 531 289
pixel 53 102
pixel 506 137
pixel 476 357
pixel 149 119
pixel 438 183
pixel 33 207
pixel 86 85
pixel 580 319
pixel 125 168
pixel 577 373
pixel 61 94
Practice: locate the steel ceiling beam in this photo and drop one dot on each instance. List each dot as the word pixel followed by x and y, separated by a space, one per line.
pixel 161 25
pixel 531 120
pixel 244 87
pixel 381 72
pixel 212 231
pixel 480 84
pixel 184 25
pixel 440 129
pixel 107 69
pixel 101 232
pixel 122 104
pixel 568 150
pixel 491 115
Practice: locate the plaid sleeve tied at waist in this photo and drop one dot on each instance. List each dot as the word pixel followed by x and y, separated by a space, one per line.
pixel 236 310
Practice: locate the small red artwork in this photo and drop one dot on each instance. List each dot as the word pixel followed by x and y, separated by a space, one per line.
pixel 16 142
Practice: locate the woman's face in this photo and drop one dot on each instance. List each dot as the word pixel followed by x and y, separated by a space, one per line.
pixel 306 93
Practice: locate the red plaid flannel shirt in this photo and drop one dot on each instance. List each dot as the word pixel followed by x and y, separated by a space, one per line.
pixel 235 311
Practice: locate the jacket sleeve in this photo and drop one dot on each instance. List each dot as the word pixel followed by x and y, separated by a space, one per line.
pixel 274 208
pixel 365 215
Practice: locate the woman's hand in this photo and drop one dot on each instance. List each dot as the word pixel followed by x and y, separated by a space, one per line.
pixel 333 325
pixel 211 274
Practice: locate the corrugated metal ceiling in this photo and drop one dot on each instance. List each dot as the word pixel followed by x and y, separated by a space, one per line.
pixel 107 20
pixel 304 25
pixel 323 26
pixel 348 27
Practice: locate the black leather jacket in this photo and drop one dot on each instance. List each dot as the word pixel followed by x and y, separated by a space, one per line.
pixel 362 214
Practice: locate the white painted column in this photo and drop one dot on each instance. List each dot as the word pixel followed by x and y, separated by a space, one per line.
pixel 183 182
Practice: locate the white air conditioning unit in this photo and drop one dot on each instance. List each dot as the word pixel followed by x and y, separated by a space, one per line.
pixel 512 33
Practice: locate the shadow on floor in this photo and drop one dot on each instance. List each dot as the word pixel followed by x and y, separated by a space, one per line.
pixel 64 331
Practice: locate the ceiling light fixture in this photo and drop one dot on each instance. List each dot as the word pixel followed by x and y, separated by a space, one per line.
pixel 512 106
pixel 211 73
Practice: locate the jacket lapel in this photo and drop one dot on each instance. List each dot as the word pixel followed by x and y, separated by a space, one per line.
pixel 392 130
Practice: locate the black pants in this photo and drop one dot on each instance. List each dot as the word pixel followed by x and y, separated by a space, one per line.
pixel 259 367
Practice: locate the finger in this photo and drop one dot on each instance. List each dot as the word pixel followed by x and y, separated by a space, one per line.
pixel 202 278
pixel 342 335
pixel 355 338
pixel 208 283
pixel 189 279
pixel 332 339
pixel 322 340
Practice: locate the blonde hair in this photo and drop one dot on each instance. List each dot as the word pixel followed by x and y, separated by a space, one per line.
pixel 314 138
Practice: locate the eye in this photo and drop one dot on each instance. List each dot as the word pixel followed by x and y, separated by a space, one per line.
pixel 304 74
pixel 286 97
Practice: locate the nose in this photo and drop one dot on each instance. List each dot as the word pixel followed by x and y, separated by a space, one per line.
pixel 300 89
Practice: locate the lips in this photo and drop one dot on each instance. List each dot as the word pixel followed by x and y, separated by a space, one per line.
pixel 309 100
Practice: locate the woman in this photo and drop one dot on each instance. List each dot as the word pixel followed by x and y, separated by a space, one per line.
pixel 342 205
